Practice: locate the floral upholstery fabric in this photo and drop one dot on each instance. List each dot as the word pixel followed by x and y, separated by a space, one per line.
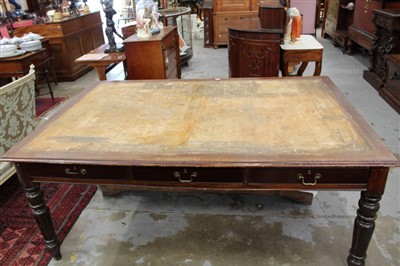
pixel 17 114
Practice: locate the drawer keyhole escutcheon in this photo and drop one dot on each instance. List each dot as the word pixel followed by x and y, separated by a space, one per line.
pixel 316 177
pixel 183 179
pixel 68 171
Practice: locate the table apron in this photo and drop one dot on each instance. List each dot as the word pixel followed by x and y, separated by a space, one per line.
pixel 246 178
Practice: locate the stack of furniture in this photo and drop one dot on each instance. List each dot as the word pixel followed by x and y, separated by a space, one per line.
pixel 227 11
pixel 337 19
pixel 362 31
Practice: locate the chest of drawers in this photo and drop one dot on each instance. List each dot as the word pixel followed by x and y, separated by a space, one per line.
pixel 153 58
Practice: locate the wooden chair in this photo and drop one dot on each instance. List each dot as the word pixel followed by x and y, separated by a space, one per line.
pixel 17 115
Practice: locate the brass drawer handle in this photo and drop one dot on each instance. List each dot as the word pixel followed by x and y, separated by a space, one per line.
pixel 70 172
pixel 316 177
pixel 183 180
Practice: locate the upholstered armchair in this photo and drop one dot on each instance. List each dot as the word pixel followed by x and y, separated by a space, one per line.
pixel 17 114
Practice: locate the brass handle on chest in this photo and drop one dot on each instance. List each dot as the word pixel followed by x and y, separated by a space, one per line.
pixel 185 180
pixel 316 177
pixel 366 7
pixel 395 76
pixel 74 171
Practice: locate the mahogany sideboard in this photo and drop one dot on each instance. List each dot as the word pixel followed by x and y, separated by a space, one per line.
pixel 69 39
pixel 243 135
pixel 157 57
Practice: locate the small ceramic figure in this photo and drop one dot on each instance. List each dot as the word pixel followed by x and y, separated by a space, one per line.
pixel 293 30
pixel 147 21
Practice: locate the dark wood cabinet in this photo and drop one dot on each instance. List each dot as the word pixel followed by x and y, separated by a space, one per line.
pixel 362 31
pixel 153 58
pixel 253 52
pixel 69 39
pixel 391 90
pixel 254 44
pixel 386 41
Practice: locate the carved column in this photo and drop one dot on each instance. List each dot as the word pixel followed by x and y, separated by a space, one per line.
pixel 386 41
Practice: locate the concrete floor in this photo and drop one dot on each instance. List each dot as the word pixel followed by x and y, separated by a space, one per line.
pixel 153 228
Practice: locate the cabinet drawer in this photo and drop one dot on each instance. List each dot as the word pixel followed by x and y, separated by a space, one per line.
pixel 170 41
pixel 330 28
pixel 361 38
pixel 333 9
pixel 79 171
pixel 231 5
pixel 226 19
pixel 221 38
pixel 188 174
pixel 393 78
pixel 170 64
pixel 309 176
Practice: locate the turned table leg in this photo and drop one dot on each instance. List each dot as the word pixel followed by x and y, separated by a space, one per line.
pixel 364 223
pixel 364 226
pixel 40 211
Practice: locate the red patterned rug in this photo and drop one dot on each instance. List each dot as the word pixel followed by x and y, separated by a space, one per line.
pixel 21 242
pixel 43 105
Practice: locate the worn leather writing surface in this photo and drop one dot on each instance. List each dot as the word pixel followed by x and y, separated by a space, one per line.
pixel 294 120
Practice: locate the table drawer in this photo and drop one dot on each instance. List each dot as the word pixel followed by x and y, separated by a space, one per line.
pixel 188 174
pixel 79 171
pixel 309 176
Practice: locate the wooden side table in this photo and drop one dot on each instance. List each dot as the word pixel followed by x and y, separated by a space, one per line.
pixel 18 66
pixel 308 49
pixel 154 58
pixel 101 61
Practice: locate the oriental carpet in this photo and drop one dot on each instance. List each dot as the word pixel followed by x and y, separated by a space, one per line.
pixel 43 105
pixel 21 242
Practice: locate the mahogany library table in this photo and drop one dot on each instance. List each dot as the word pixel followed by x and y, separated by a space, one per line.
pixel 246 135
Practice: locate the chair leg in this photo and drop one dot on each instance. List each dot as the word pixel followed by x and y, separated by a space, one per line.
pixel 50 66
pixel 46 76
